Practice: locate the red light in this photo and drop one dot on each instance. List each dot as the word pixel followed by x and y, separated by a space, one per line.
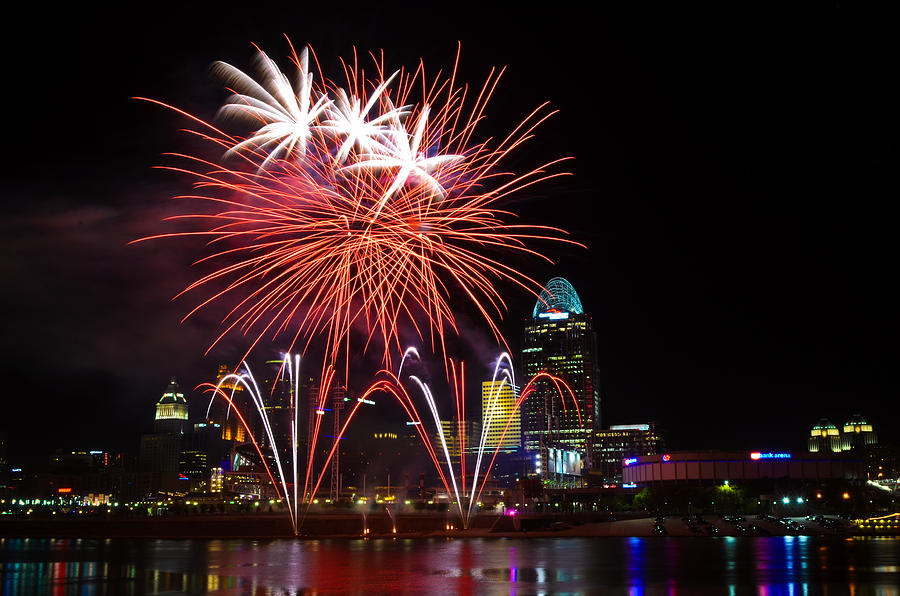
pixel 755 455
pixel 64 490
pixel 667 457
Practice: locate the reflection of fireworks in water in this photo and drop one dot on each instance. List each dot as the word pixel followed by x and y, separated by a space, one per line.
pixel 360 205
pixel 288 482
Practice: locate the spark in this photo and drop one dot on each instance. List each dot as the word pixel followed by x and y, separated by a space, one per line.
pixel 354 213
pixel 288 117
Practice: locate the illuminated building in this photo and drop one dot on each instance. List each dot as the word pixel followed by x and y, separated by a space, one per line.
pixel 277 397
pixel 857 433
pixel 160 453
pixel 339 396
pixel 716 467
pixel 882 462
pixel 824 437
pixel 498 399
pixel 232 430
pixel 200 451
pixel 471 435
pixel 560 340
pixel 171 410
pixel 611 446
pixel 216 477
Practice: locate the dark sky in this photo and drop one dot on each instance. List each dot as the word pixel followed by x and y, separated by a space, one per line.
pixel 735 181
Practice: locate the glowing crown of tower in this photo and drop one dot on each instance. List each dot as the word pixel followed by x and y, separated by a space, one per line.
pixel 557 296
pixel 172 405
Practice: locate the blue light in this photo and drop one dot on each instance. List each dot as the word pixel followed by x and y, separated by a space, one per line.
pixel 554 316
pixel 757 455
pixel 629 461
pixel 560 295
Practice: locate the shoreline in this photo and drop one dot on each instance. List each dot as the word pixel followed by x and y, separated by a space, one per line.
pixel 381 526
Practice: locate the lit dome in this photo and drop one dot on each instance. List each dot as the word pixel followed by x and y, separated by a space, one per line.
pixel 824 428
pixel 171 410
pixel 558 296
pixel 857 424
pixel 173 394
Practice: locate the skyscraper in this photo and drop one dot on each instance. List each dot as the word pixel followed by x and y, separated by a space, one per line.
pixel 221 414
pixel 160 451
pixel 619 442
pixel 559 339
pixel 497 402
pixel 471 435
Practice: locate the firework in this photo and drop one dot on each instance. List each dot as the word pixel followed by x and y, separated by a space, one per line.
pixel 365 204
pixel 296 489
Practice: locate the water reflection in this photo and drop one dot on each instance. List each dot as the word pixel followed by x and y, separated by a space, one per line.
pixel 796 566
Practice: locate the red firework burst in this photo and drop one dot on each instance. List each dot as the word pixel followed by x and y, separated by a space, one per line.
pixel 364 204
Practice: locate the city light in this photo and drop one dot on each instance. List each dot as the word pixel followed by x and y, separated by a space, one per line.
pixel 758 455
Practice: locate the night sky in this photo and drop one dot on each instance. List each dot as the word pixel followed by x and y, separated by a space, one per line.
pixel 735 181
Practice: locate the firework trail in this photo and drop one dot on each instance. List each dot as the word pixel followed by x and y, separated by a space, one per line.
pixel 296 488
pixel 365 204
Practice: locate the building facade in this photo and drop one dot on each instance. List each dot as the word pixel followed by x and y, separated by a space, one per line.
pixel 559 339
pixel 611 446
pixel 717 467
pixel 857 433
pixel 498 401
pixel 825 437
pixel 452 429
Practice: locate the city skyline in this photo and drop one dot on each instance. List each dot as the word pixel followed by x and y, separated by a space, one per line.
pixel 700 318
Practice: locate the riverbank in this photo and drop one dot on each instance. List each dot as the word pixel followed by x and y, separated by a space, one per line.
pixel 344 525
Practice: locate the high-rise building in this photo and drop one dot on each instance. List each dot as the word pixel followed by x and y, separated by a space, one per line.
pixel 471 433
pixel 559 339
pixel 620 442
pixel 160 452
pixel 200 451
pixel 498 401
pixel 338 398
pixel 171 411
pixel 221 414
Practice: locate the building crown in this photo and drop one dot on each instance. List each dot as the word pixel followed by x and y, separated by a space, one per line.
pixel 557 297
